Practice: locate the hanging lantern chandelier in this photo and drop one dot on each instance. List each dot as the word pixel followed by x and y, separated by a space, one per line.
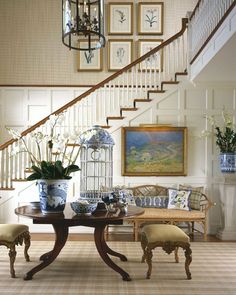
pixel 83 24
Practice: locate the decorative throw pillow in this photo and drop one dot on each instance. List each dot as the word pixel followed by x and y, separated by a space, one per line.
pixel 195 197
pixel 178 199
pixel 151 201
pixel 127 196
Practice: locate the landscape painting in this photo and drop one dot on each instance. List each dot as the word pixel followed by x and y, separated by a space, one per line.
pixel 154 151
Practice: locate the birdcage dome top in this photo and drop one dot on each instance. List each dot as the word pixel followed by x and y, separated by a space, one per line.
pixel 96 137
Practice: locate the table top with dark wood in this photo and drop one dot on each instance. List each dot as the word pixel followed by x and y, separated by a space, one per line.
pixel 71 218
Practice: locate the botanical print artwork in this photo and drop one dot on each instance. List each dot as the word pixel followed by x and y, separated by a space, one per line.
pixel 89 56
pixel 150 18
pixel 120 54
pixel 89 60
pixel 120 18
pixel 154 151
pixel 154 61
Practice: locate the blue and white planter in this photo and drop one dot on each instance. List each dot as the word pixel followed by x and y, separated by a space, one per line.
pixel 52 195
pixel 228 162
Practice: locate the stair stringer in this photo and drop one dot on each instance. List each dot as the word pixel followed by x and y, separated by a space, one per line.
pixel 145 106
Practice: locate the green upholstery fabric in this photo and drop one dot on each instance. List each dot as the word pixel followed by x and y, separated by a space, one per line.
pixel 164 233
pixel 9 232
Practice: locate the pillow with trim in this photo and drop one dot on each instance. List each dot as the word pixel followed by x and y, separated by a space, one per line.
pixel 178 199
pixel 195 197
pixel 151 201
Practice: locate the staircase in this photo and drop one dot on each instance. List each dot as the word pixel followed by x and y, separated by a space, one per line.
pixel 109 102
pixel 128 92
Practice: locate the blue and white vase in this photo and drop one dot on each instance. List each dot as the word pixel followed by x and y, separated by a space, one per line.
pixel 228 162
pixel 52 195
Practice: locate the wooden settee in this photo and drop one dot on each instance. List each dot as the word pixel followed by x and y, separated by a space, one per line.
pixel 171 216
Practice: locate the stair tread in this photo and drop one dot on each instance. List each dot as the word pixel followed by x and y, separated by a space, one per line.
pixel 143 99
pixel 115 118
pixel 156 91
pixel 170 82
pixel 129 109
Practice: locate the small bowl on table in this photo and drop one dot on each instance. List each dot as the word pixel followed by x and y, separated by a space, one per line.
pixel 84 207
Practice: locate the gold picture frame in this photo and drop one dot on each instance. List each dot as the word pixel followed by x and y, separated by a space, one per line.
pixel 120 18
pixel 120 53
pixel 154 151
pixel 155 61
pixel 150 18
pixel 89 60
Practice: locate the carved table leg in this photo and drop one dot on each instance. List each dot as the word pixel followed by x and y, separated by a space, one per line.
pixel 103 250
pixel 61 238
pixel 111 252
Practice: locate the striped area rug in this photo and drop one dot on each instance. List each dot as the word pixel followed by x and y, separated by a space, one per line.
pixel 79 270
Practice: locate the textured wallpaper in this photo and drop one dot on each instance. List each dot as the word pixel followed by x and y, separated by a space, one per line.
pixel 32 52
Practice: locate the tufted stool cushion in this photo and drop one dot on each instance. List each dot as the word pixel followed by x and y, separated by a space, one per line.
pixel 12 235
pixel 164 233
pixel 9 232
pixel 170 238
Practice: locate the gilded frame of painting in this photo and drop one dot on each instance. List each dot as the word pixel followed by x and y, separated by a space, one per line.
pixel 154 151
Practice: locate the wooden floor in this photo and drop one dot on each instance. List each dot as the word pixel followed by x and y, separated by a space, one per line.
pixel 111 237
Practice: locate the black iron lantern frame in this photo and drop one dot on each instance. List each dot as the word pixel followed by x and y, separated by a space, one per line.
pixel 83 20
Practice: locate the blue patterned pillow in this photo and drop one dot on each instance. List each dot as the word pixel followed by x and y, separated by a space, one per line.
pixel 151 201
pixel 178 199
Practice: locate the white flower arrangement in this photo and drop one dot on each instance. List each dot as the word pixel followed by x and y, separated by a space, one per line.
pixel 58 161
pixel 225 136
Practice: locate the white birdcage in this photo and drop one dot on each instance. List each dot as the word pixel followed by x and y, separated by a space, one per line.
pixel 96 160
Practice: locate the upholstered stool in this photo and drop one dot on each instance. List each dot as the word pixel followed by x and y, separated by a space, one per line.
pixel 170 238
pixel 12 235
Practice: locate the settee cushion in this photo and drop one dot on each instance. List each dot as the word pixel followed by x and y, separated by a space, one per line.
pixel 151 201
pixel 195 197
pixel 178 199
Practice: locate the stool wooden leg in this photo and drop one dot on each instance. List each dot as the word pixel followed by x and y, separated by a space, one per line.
pixel 12 255
pixel 143 245
pixel 149 262
pixel 188 260
pixel 27 245
pixel 176 255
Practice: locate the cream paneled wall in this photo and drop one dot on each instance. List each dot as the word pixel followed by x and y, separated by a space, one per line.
pixel 185 106
pixel 32 53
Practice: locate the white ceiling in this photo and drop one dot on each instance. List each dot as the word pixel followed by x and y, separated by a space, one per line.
pixel 222 66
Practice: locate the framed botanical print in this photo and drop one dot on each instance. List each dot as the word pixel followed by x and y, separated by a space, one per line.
pixel 154 151
pixel 150 18
pixel 120 18
pixel 120 53
pixel 89 60
pixel 155 61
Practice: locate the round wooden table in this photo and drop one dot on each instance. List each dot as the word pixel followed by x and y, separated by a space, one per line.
pixel 61 223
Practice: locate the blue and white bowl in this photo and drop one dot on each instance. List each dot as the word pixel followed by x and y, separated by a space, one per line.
pixel 84 207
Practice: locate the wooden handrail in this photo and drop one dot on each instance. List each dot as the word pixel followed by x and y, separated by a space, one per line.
pixel 194 11
pixel 101 84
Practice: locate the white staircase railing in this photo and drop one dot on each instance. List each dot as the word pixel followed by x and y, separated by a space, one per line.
pixel 204 22
pixel 105 102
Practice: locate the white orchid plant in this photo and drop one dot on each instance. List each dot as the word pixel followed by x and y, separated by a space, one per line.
pixel 226 135
pixel 58 161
